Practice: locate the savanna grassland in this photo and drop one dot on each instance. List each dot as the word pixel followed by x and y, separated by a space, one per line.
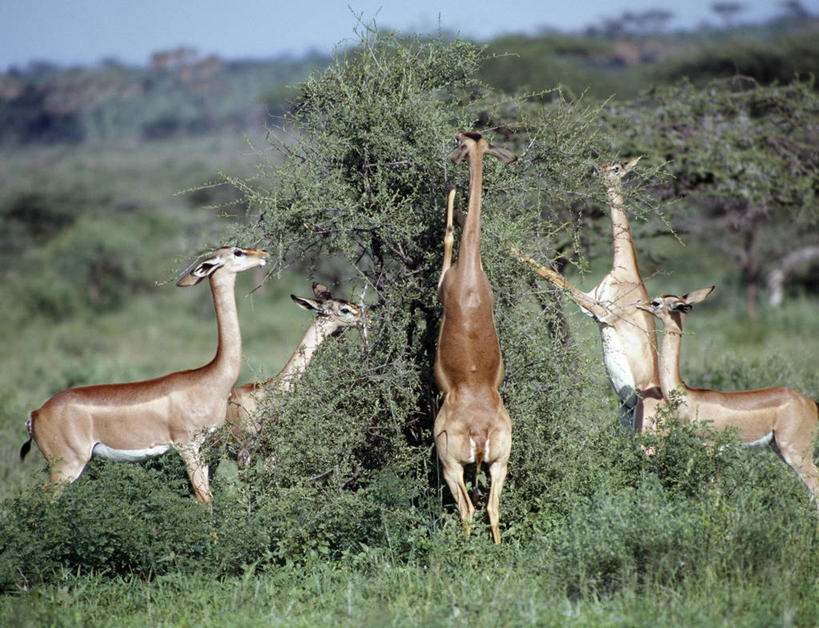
pixel 342 516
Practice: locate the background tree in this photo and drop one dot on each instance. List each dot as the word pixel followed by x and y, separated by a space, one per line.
pixel 727 11
pixel 743 162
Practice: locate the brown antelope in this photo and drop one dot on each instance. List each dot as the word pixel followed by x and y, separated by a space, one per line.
pixel 780 414
pixel 472 424
pixel 628 335
pixel 333 316
pixel 130 422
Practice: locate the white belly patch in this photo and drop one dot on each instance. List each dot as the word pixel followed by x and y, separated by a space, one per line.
pixel 617 365
pixel 762 441
pixel 128 455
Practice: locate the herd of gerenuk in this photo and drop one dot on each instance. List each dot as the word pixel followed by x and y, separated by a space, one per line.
pixel 133 421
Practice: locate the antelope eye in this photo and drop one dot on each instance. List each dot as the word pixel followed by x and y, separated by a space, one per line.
pixel 238 252
pixel 656 303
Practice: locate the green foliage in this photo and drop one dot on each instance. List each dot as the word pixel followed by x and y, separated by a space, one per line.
pixel 364 182
pixel 768 61
pixel 742 156
pixel 745 144
pixel 536 64
pixel 117 519
pixel 106 266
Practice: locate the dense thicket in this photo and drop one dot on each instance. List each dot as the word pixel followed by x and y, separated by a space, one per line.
pixel 364 183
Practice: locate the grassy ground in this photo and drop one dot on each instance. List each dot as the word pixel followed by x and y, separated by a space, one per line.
pixel 505 587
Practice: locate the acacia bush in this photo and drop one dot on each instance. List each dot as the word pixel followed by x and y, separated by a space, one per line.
pixel 347 459
pixel 364 183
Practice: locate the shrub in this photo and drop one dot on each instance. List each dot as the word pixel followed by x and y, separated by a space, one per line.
pixel 364 184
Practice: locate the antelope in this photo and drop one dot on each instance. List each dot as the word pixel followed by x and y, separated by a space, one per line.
pixel 134 421
pixel 333 316
pixel 775 414
pixel 628 335
pixel 472 424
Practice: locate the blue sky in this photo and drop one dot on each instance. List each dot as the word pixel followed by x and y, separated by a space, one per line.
pixel 86 31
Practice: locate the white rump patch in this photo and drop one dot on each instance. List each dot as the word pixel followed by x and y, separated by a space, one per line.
pixel 128 455
pixel 472 449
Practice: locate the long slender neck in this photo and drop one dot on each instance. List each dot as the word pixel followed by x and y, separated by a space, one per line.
pixel 228 358
pixel 625 257
pixel 670 378
pixel 317 333
pixel 469 254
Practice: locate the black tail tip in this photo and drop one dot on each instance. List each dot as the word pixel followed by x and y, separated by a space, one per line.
pixel 25 449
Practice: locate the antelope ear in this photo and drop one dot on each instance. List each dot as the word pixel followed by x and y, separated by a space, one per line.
pixel 304 303
pixel 504 155
pixel 459 153
pixel 679 306
pixel 698 296
pixel 630 164
pixel 198 271
pixel 321 291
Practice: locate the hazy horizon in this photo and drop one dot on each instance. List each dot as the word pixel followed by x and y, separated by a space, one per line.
pixel 87 32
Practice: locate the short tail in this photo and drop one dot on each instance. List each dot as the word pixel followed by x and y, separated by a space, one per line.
pixel 480 456
pixel 25 449
pixel 27 445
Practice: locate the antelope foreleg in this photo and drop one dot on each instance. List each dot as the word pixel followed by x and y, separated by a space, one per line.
pixel 197 471
pixel 449 236
pixel 593 307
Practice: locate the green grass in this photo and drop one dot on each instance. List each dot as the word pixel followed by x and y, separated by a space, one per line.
pixel 506 587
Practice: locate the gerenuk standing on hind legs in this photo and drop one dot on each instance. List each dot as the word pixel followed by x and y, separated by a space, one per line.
pixel 472 424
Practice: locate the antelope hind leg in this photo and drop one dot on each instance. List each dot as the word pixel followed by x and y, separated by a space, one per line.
pixel 454 476
pixel 497 473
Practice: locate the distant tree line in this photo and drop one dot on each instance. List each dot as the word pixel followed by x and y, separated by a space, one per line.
pixel 181 93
